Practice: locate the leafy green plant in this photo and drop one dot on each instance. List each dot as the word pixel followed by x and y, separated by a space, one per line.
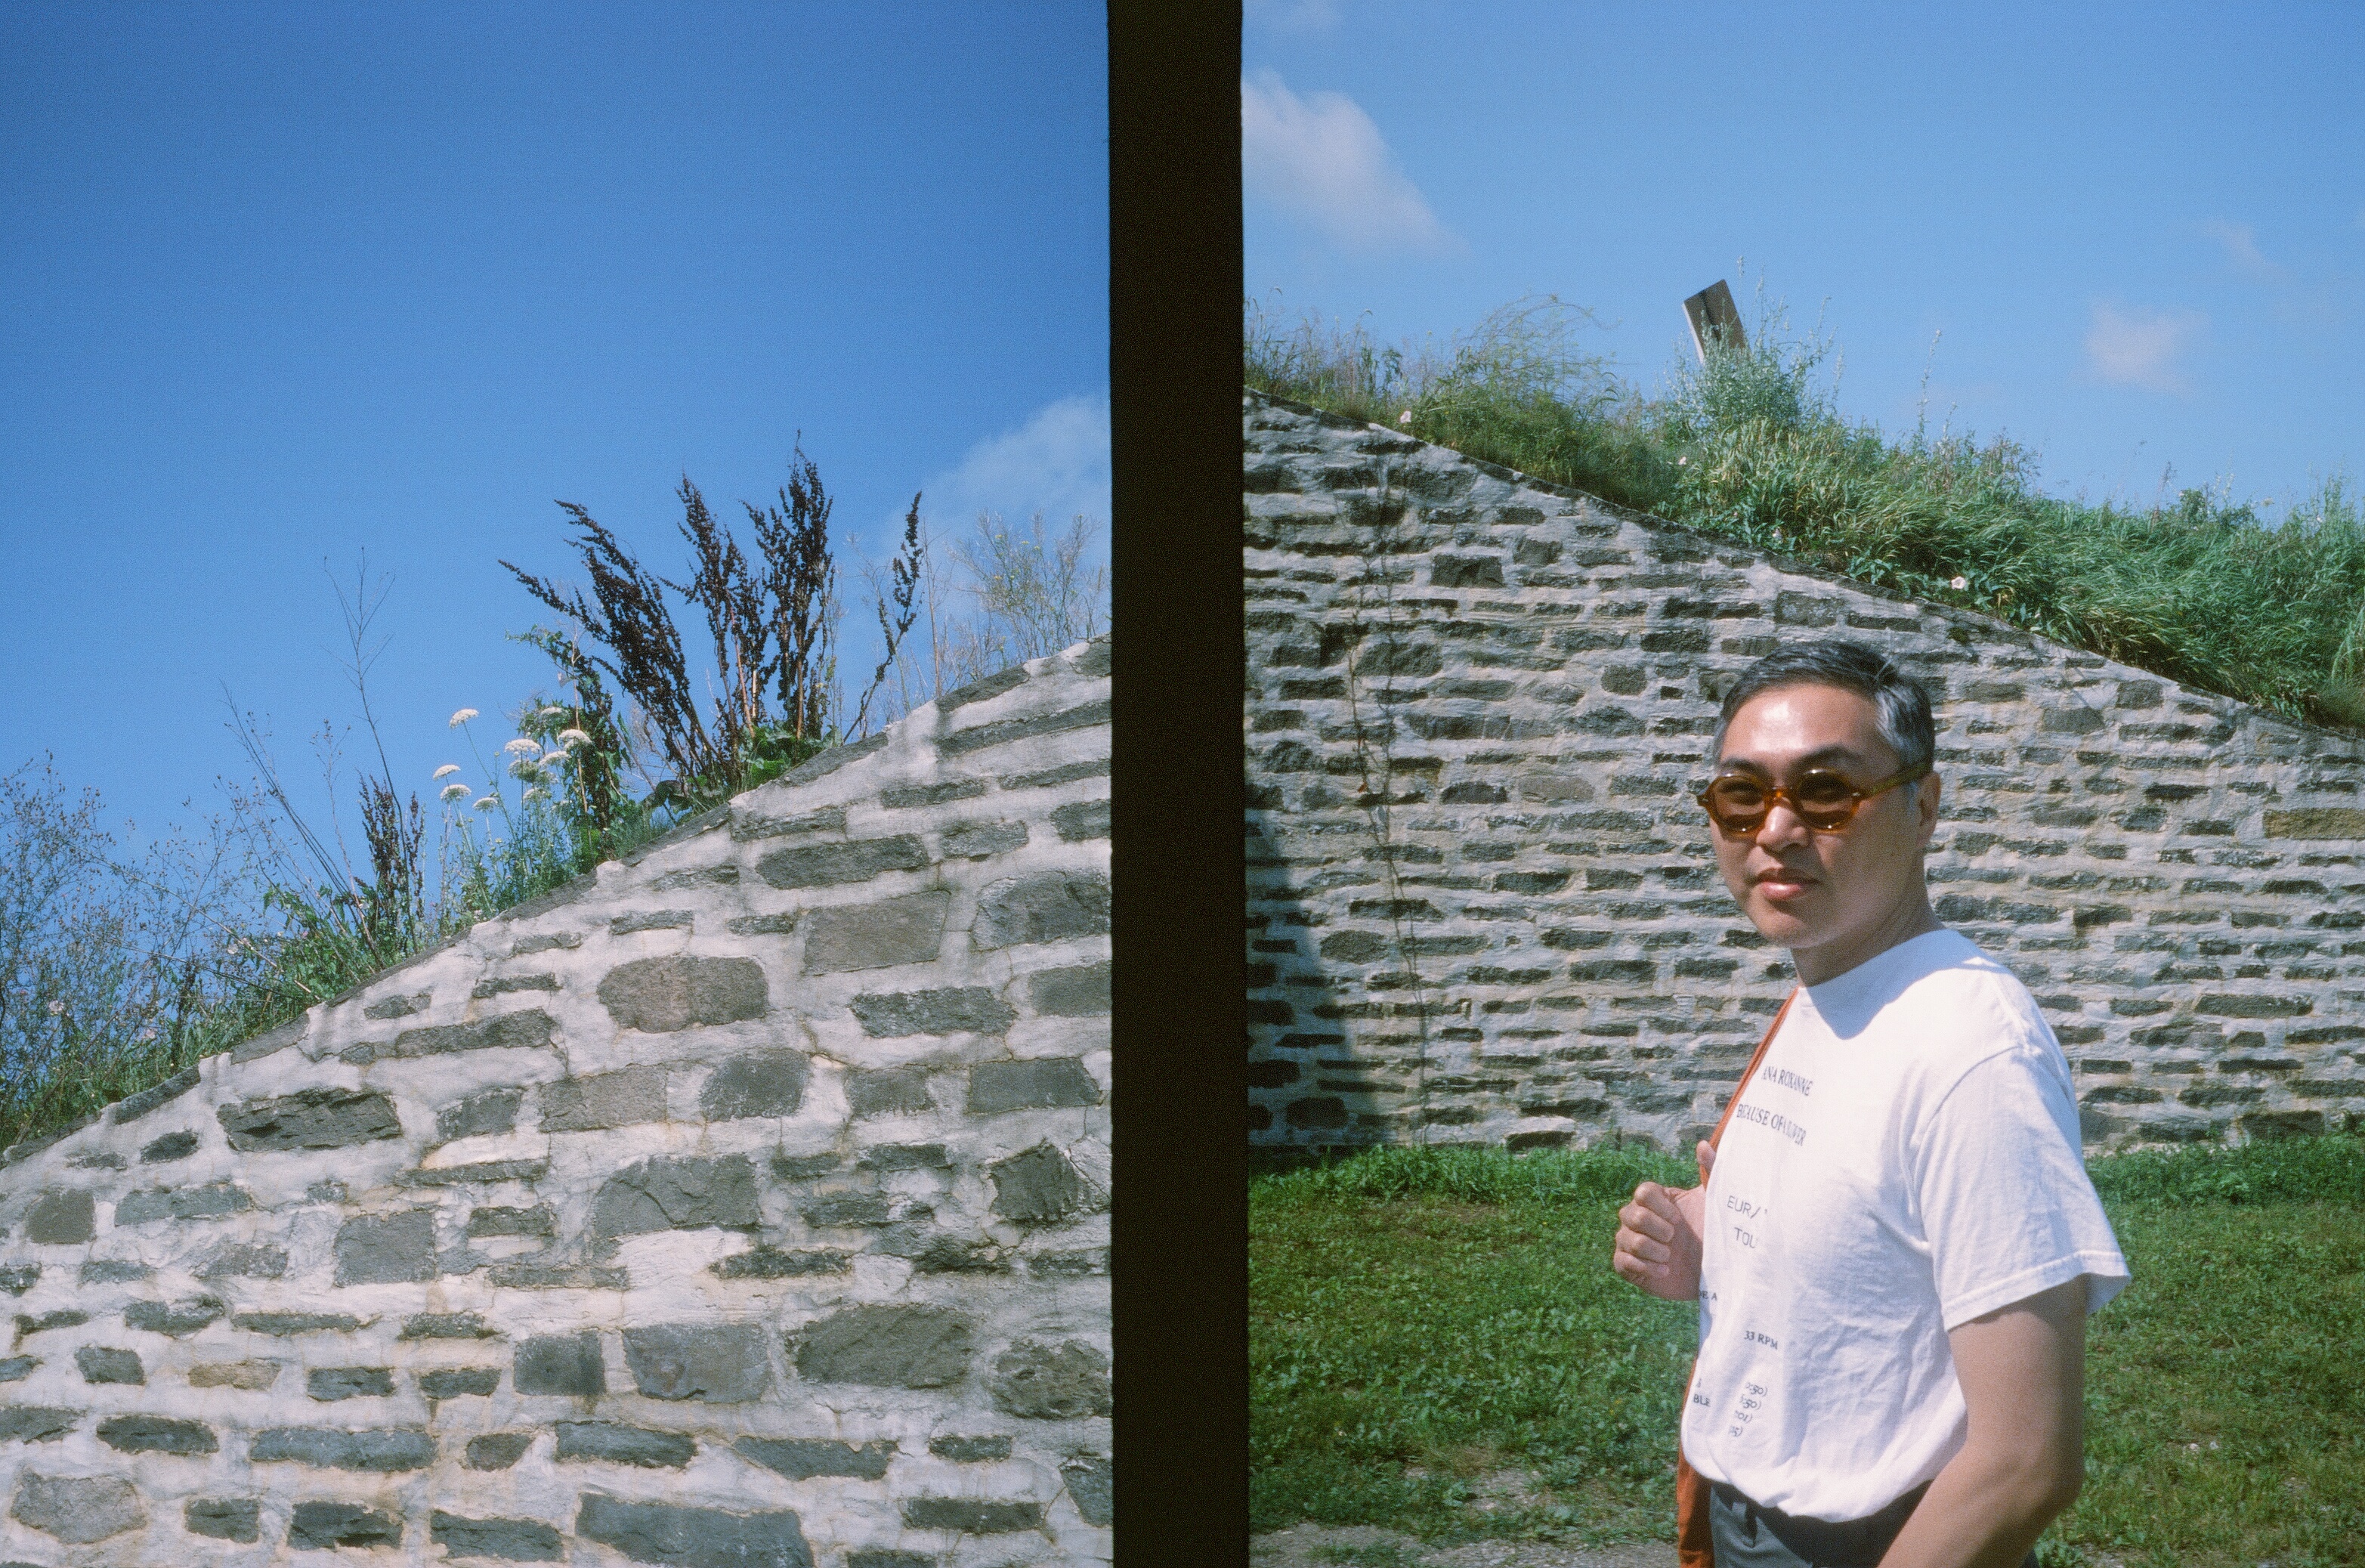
pixel 1751 446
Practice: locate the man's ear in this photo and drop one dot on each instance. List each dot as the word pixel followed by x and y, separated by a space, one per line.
pixel 1926 806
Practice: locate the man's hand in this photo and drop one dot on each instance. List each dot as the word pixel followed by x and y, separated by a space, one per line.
pixel 1658 1244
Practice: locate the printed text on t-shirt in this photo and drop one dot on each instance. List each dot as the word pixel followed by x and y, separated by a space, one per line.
pixel 1772 1121
pixel 1788 1080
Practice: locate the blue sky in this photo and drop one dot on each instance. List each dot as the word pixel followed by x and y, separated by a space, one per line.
pixel 282 283
pixel 2141 230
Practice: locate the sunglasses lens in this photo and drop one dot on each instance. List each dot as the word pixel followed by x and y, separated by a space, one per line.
pixel 1825 799
pixel 1737 804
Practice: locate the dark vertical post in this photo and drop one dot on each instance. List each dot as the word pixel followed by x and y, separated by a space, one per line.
pixel 1179 1128
pixel 1714 318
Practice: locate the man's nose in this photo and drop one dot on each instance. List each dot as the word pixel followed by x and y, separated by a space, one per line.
pixel 1782 825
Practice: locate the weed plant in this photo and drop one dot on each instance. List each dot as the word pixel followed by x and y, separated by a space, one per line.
pixel 1751 446
pixel 1427 1323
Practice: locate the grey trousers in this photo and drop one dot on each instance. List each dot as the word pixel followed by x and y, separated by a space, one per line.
pixel 1748 1535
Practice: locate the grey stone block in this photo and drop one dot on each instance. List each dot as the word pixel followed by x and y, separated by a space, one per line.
pixel 1045 907
pixel 1050 1383
pixel 17 1369
pixel 772 1263
pixel 762 925
pixel 511 1540
pixel 1036 1186
pixel 904 1156
pixel 19 1278
pixel 653 920
pixel 1046 1081
pixel 321 1527
pixel 721 1363
pixel 453 1383
pixel 171 1146
pixel 855 860
pixel 525 1031
pixel 481 1115
pixel 310 1118
pixel 252 1376
pixel 693 1538
pixel 284 1325
pixel 386 1248
pixel 223 1519
pixel 747 826
pixel 892 1557
pixel 497 1451
pixel 970 1009
pixel 1001 732
pixel 387 1007
pixel 803 1167
pixel 971 1515
pixel 571 1365
pixel 505 985
pixel 907 930
pixel 1007 679
pixel 611 1442
pixel 801 1459
pixel 157 1434
pixel 566 939
pixel 113 1271
pixel 1082 820
pixel 327 1384
pixel 1092 1488
pixel 177 1319
pixel 77 1509
pixel 209 1201
pixel 660 996
pixel 1079 992
pixel 604 1100
pixel 131 1107
pixel 385 1452
pixel 767 1083
pixel 538 1221
pixel 690 1193
pixel 446 1325
pixel 824 1210
pixel 65 1218
pixel 905 796
pixel 970 1451
pixel 63 1317
pixel 565 1277
pixel 886 1347
pixel 1052 778
pixel 888 1091
pixel 40 1423
pixel 976 841
pixel 484 1174
pixel 270 1042
pixel 245 1261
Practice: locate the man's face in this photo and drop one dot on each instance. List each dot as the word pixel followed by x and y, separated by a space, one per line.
pixel 1834 899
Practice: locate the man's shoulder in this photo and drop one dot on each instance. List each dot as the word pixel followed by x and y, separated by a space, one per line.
pixel 1940 998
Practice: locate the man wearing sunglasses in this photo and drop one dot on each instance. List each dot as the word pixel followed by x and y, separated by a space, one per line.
pixel 1894 1244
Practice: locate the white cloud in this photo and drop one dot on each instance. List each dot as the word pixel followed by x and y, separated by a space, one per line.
pixel 2140 348
pixel 1056 464
pixel 2241 245
pixel 1322 161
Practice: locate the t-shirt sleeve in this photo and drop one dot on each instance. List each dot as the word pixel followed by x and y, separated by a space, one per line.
pixel 2004 1198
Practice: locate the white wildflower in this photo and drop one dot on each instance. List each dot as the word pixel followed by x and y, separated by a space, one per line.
pixel 554 711
pixel 56 1008
pixel 1959 584
pixel 1683 462
pixel 487 802
pixel 536 793
pixel 1405 418
pixel 550 759
pixel 448 770
pixel 462 717
pixel 525 768
pixel 521 746
pixel 455 791
pixel 573 737
pixel 146 1034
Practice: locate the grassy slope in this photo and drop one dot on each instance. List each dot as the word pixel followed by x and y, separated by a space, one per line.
pixel 1421 1318
pixel 1751 448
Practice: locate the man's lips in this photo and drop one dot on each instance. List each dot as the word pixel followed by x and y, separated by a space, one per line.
pixel 1781 882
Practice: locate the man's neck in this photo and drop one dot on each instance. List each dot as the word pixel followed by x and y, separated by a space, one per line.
pixel 1912 918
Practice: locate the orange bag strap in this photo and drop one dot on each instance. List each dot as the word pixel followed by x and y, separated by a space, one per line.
pixel 1695 1547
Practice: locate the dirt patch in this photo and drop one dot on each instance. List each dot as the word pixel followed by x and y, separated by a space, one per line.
pixel 1363 1546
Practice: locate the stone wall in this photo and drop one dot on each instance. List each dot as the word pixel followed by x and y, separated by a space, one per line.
pixel 745 1203
pixel 1482 905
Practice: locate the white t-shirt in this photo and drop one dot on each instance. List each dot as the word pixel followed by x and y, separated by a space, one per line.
pixel 1905 1160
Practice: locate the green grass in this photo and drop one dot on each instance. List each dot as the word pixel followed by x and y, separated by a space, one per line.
pixel 1422 1319
pixel 1752 447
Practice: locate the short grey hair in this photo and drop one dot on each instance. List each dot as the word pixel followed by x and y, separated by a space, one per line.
pixel 1902 705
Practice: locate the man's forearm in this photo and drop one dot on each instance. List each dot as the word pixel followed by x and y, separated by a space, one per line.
pixel 1985 1509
